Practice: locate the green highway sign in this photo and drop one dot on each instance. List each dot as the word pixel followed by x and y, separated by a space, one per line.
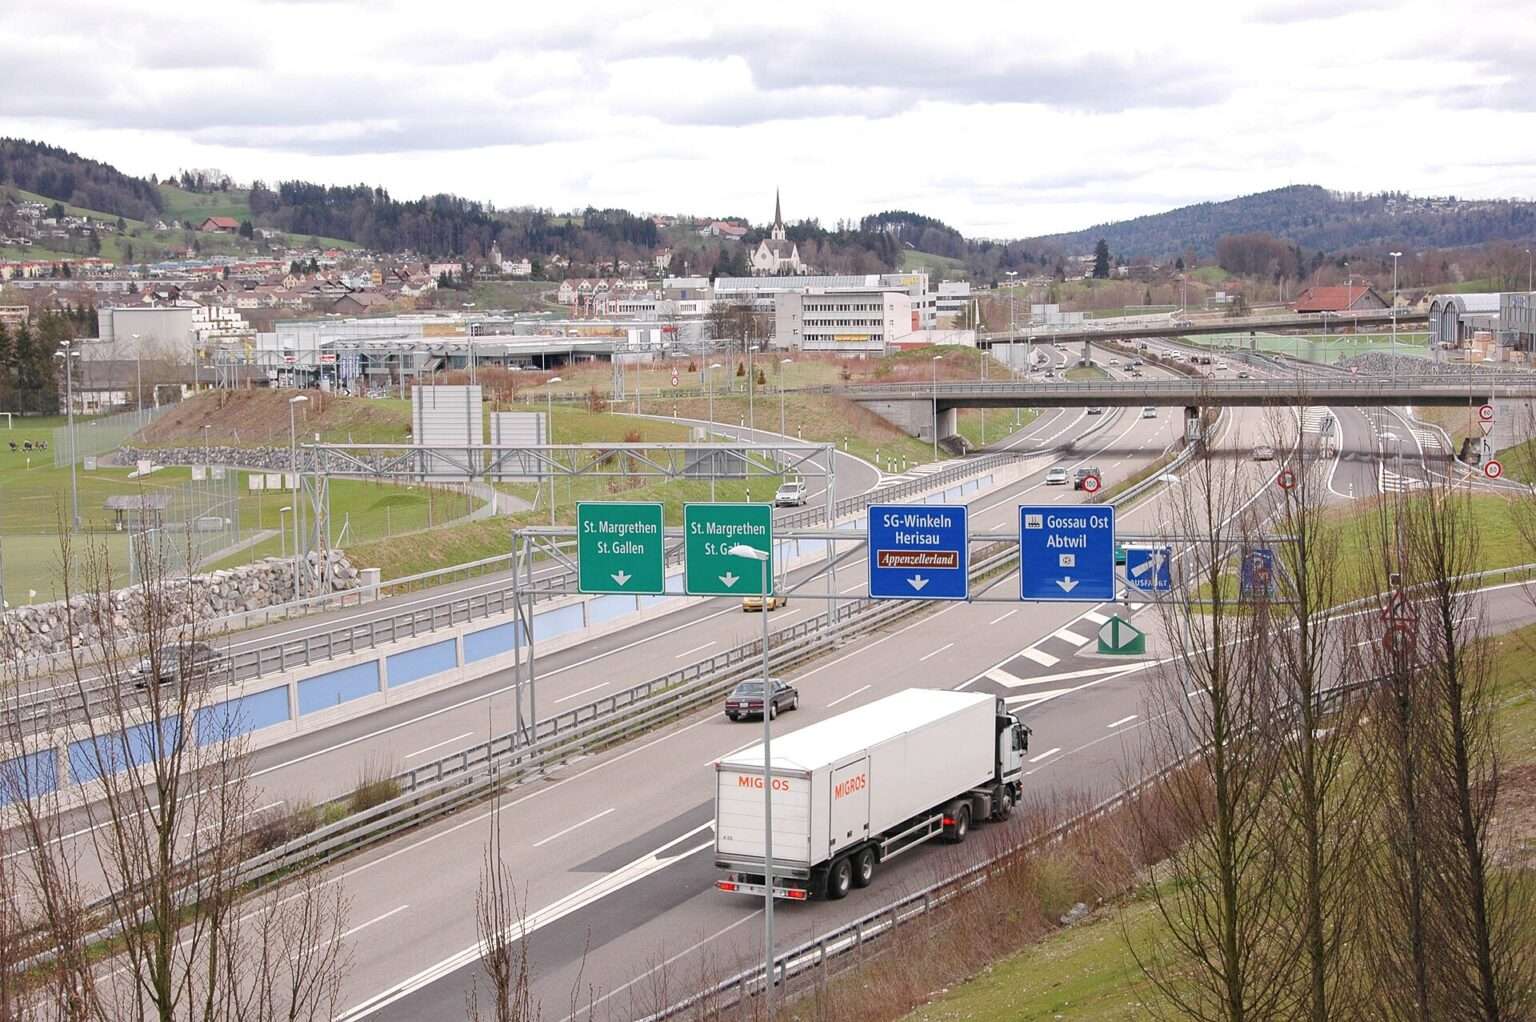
pixel 1119 637
pixel 619 548
pixel 709 532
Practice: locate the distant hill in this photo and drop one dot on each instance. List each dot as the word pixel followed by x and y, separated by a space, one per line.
pixel 1313 218
pixel 74 180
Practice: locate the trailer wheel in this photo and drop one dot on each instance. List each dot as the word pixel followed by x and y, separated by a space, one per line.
pixel 960 813
pixel 839 879
pixel 864 868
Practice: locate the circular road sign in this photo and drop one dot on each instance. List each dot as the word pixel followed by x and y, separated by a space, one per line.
pixel 1398 638
pixel 1286 479
pixel 1492 469
pixel 1485 413
pixel 1090 484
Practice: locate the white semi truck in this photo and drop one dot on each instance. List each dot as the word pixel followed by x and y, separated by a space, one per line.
pixel 857 789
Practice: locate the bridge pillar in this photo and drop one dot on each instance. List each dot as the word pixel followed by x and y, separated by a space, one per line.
pixel 1192 430
pixel 916 417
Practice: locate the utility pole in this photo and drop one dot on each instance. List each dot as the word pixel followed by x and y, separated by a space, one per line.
pixel 1395 256
pixel 67 354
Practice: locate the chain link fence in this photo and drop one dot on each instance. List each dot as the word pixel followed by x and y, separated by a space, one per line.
pixel 200 518
pixel 100 435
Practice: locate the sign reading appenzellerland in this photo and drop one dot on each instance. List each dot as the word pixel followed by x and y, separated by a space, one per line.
pixel 918 551
pixel 619 548
pixel 709 533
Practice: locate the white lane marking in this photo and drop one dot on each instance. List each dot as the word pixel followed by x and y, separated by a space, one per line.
pixel 484 695
pixel 931 655
pixel 1095 617
pixel 577 900
pixel 1067 635
pixel 1043 659
pixel 574 826
pixel 1122 720
pixel 1003 678
pixel 850 695
pixel 800 678
pixel 439 745
pixel 1045 755
pixel 352 932
pixel 697 649
pixel 1003 617
pixel 578 694
pixel 1031 698
pixel 857 585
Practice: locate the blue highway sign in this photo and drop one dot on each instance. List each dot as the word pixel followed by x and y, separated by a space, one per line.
pixel 918 551
pixel 1067 553
pixel 1149 568
pixel 1257 574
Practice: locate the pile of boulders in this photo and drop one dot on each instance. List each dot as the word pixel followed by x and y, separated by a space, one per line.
pixel 46 628
pixel 272 459
pixel 1384 363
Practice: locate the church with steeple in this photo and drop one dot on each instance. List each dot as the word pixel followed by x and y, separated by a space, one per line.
pixel 776 255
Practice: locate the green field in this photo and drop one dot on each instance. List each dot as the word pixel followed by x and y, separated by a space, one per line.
pixel 1325 348
pixel 935 265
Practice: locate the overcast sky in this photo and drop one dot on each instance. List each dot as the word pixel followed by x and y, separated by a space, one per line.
pixel 1004 120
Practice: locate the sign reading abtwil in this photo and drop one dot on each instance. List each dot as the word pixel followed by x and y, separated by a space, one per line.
pixel 709 533
pixel 619 548
pixel 1067 553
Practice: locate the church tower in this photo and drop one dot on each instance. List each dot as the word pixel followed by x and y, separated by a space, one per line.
pixel 777 231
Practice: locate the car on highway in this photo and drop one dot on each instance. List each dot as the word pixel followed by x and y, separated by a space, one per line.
pixel 1095 411
pixel 1264 452
pixel 1149 412
pixel 188 661
pixel 1084 474
pixel 772 601
pixel 1056 477
pixel 746 699
pixel 1222 366
pixel 1050 374
pixel 1242 374
pixel 1114 362
pixel 791 494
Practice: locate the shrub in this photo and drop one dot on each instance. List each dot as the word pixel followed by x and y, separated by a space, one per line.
pixel 372 791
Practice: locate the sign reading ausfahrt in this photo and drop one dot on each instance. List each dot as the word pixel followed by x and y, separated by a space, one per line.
pixel 709 532
pixel 620 548
pixel 918 551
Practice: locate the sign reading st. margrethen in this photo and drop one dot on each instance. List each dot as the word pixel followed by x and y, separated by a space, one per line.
pixel 619 548
pixel 709 532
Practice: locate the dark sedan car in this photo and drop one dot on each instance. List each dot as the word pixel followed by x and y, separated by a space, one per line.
pixel 190 661
pixel 746 699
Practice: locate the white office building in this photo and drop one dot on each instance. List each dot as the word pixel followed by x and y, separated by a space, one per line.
pixel 952 298
pixel 761 291
pixel 862 321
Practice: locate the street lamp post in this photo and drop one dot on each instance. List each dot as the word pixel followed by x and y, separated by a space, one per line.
pixel 67 354
pixel 751 381
pixel 1395 257
pixel 549 429
pixel 205 444
pixel 936 360
pixel 761 556
pixel 709 438
pixel 782 363
pixel 138 381
pixel 293 468
pixel 282 530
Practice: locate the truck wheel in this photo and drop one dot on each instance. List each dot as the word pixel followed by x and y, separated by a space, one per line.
pixel 1004 803
pixel 864 868
pixel 839 879
pixel 961 814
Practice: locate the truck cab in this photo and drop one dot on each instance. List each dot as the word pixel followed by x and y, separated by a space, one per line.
pixel 1012 745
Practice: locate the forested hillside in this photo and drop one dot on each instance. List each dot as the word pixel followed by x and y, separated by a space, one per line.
pixel 75 180
pixel 1314 219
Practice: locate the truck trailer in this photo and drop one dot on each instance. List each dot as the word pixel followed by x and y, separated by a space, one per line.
pixel 855 790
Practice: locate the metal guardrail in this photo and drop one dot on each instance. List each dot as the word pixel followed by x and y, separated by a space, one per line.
pixel 1421 386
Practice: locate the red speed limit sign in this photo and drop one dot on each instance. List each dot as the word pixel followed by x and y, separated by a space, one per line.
pixel 1492 469
pixel 1286 479
pixel 1485 413
pixel 1091 484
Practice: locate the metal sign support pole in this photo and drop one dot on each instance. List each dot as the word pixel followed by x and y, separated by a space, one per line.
pixel 519 545
pixel 832 593
pixel 532 721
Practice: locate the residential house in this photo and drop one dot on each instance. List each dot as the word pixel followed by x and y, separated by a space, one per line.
pixel 359 303
pixel 722 229
pixel 219 225
pixel 1341 298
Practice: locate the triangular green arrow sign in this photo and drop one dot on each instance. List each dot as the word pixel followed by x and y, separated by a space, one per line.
pixel 1118 637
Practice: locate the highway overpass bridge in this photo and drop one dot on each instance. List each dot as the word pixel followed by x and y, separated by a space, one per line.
pixel 1106 330
pixel 913 405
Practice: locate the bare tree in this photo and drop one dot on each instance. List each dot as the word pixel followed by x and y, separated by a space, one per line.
pixel 1226 954
pixel 1320 791
pixel 159 802
pixel 499 923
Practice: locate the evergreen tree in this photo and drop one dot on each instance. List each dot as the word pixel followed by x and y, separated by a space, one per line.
pixel 247 230
pixel 1101 260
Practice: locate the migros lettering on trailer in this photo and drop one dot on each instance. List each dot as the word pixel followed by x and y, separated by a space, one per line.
pixel 847 787
pixel 751 781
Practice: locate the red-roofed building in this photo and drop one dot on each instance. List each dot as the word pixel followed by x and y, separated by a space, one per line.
pixel 219 225
pixel 1341 298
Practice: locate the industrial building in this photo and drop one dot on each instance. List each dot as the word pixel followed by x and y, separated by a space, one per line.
pixel 853 321
pixel 760 292
pixel 1453 319
pixel 1517 320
